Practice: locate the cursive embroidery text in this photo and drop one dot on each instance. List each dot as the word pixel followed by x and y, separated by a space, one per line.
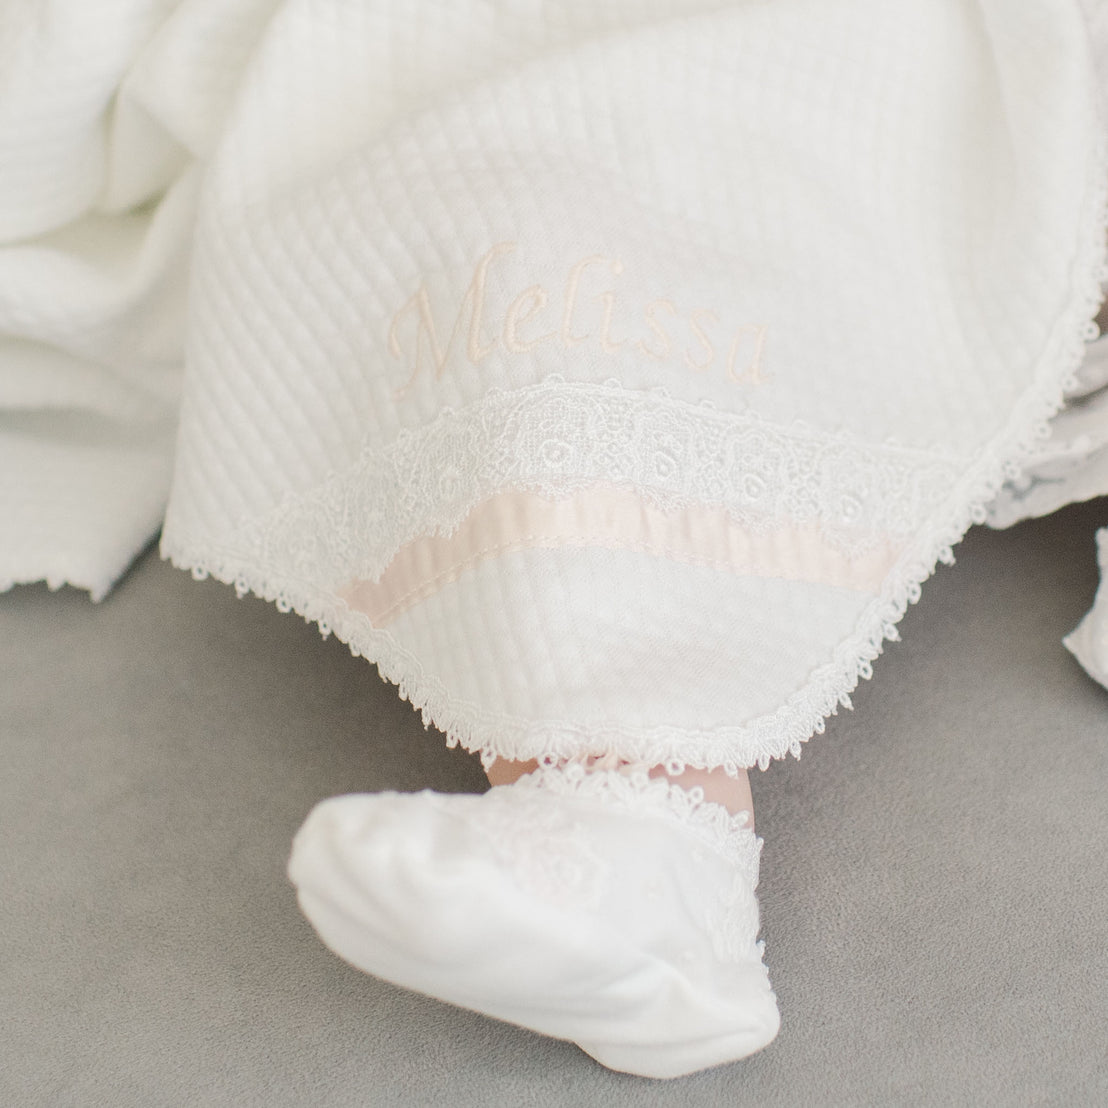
pixel 534 317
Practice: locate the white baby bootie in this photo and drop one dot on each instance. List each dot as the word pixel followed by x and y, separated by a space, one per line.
pixel 598 906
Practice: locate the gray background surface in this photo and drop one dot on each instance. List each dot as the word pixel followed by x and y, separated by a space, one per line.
pixel 934 891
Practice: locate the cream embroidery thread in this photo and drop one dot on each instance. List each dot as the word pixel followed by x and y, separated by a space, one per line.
pixel 415 340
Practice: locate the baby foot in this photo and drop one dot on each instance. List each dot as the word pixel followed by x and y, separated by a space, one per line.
pixel 597 906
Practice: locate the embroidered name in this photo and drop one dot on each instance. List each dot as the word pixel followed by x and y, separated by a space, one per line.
pixel 535 317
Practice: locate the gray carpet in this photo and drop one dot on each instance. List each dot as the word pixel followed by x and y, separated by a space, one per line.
pixel 935 893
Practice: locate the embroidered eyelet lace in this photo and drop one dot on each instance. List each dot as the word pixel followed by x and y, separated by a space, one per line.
pixel 559 437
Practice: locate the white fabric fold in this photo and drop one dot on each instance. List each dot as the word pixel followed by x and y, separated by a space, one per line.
pixel 106 113
pixel 88 494
pixel 1071 464
pixel 1088 642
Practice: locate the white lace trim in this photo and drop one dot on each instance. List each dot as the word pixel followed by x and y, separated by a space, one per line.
pixel 629 788
pixel 559 437
pixel 804 714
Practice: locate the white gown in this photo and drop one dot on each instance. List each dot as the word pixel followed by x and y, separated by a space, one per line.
pixel 612 375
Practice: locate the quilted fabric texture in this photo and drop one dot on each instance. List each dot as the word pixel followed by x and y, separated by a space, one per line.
pixel 610 374
pixel 595 248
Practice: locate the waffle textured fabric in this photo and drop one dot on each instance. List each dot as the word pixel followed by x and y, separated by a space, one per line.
pixel 611 374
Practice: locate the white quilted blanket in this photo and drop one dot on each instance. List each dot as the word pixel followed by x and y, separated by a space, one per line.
pixel 612 374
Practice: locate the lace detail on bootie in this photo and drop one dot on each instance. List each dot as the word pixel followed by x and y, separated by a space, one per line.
pixel 630 787
pixel 544 847
pixel 552 856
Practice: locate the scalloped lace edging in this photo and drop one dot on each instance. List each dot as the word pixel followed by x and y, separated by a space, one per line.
pixel 758 742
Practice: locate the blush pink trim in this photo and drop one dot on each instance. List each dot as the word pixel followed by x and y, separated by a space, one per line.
pixel 617 519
